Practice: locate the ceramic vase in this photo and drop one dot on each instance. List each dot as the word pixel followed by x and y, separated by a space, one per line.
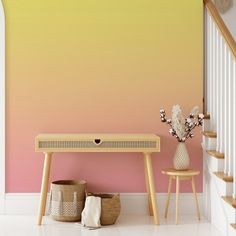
pixel 181 159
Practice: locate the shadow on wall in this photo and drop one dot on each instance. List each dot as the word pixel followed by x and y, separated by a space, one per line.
pixel 223 5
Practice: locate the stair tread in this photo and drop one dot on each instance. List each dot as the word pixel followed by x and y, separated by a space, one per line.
pixel 223 176
pixel 230 200
pixel 210 134
pixel 206 116
pixel 233 225
pixel 216 154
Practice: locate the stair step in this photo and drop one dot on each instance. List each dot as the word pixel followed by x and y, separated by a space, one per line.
pixel 223 176
pixel 230 200
pixel 206 116
pixel 233 225
pixel 216 154
pixel 209 134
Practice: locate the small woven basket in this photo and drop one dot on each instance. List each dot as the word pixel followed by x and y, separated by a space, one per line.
pixel 110 207
pixel 67 200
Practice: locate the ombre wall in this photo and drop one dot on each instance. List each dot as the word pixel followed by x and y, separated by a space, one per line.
pixel 99 66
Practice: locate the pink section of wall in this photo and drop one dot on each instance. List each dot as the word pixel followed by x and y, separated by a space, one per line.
pixel 104 172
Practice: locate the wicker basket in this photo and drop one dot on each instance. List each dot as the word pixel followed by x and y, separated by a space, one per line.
pixel 67 200
pixel 110 208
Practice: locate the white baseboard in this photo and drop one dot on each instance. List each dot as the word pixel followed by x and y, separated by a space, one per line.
pixel 131 203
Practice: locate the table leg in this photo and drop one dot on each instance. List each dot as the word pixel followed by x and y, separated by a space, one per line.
pixel 148 189
pixel 44 187
pixel 168 196
pixel 148 161
pixel 177 199
pixel 195 197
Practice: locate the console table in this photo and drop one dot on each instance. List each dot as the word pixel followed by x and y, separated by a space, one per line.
pixel 143 143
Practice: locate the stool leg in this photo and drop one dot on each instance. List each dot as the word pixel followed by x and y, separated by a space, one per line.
pixel 177 199
pixel 44 187
pixel 168 196
pixel 195 197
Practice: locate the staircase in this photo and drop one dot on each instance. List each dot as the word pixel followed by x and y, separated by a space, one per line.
pixel 219 130
pixel 220 206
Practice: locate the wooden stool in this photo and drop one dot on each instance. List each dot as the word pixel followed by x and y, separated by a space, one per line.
pixel 180 175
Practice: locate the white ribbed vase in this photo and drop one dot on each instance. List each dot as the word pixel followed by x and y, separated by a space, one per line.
pixel 181 159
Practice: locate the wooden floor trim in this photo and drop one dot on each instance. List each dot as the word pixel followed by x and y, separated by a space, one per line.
pixel 209 134
pixel 230 200
pixel 223 176
pixel 216 154
pixel 206 116
pixel 233 225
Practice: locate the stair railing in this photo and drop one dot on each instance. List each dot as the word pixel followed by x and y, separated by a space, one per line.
pixel 220 86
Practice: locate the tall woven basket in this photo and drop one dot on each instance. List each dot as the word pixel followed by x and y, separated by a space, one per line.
pixel 110 207
pixel 67 200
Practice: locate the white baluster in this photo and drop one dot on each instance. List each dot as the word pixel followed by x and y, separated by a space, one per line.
pixel 208 61
pixel 234 126
pixel 225 97
pixel 214 78
pixel 210 66
pixel 217 68
pixel 230 112
pixel 221 112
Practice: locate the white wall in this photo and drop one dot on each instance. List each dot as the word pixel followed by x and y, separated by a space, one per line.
pixel 230 19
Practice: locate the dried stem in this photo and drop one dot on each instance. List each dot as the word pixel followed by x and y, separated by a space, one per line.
pixel 190 123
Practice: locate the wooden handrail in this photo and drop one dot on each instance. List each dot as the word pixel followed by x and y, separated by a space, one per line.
pixel 221 25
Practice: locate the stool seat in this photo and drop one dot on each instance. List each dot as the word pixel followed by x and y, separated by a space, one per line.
pixel 179 175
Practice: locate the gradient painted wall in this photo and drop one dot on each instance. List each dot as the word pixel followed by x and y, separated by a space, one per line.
pixel 99 66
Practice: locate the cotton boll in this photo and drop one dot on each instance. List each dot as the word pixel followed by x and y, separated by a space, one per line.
pixel 201 116
pixel 188 120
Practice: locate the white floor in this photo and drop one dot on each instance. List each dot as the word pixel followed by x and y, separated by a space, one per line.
pixel 138 225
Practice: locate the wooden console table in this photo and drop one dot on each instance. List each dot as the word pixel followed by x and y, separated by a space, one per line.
pixel 144 143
